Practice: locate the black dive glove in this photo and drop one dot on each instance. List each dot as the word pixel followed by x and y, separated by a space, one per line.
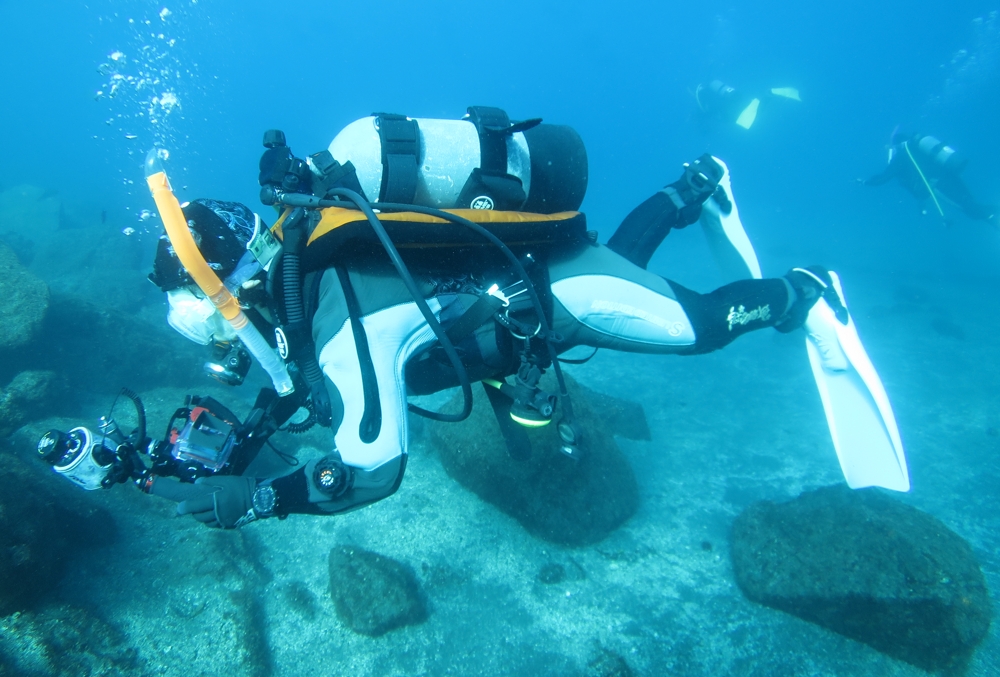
pixel 699 182
pixel 229 502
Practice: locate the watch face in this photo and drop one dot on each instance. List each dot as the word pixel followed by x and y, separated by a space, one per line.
pixel 264 500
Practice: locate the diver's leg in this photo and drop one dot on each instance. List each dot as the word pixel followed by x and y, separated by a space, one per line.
pixel 953 188
pixel 602 300
pixel 676 206
pixel 608 303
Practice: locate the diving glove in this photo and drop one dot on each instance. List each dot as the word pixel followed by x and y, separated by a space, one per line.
pixel 230 502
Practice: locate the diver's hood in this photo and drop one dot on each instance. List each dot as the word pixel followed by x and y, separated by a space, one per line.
pixel 221 230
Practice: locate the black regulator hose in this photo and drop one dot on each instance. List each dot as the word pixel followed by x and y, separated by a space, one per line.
pixel 295 315
pixel 535 301
pixel 411 285
pixel 301 200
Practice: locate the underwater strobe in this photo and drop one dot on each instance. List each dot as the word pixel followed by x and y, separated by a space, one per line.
pixel 78 456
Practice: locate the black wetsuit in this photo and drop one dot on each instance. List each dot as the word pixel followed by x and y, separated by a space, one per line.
pixel 906 165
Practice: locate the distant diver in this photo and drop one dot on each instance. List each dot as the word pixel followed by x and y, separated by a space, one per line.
pixel 484 277
pixel 726 104
pixel 929 168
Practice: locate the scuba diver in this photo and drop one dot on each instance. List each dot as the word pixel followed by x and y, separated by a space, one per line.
pixel 475 267
pixel 927 167
pixel 724 103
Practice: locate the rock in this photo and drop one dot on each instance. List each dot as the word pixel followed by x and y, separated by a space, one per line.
pixel 373 594
pixel 606 663
pixel 76 248
pixel 90 345
pixel 23 301
pixel 26 398
pixel 551 574
pixel 42 524
pixel 868 567
pixel 66 641
pixel 554 497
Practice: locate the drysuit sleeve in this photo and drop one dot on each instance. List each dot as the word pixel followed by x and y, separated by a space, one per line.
pixel 365 329
pixel 328 486
pixel 884 177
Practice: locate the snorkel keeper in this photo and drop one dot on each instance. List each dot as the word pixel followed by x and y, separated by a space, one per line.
pixel 194 263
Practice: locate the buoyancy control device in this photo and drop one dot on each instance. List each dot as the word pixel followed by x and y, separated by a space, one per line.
pixel 502 183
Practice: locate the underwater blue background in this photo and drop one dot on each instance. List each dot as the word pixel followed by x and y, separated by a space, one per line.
pixel 623 75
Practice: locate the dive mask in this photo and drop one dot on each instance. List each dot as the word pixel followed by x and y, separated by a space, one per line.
pixel 196 318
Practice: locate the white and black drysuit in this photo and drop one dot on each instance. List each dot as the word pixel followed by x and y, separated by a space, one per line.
pixel 595 295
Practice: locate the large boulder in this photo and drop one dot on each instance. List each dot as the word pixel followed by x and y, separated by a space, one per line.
pixel 554 497
pixel 98 349
pixel 66 641
pixel 868 567
pixel 27 397
pixel 24 299
pixel 43 521
pixel 374 594
pixel 79 247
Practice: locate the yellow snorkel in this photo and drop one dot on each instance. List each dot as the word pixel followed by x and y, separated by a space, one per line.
pixel 194 263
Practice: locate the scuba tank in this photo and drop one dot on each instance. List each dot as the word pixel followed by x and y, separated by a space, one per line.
pixel 944 156
pixel 482 161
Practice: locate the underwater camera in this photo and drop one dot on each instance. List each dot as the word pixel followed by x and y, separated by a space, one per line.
pixel 229 364
pixel 202 439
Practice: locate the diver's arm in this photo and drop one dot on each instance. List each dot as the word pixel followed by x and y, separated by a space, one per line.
pixel 364 364
pixel 882 178
pixel 328 486
pixel 324 486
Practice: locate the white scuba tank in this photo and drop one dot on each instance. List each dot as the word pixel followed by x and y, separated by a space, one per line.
pixel 941 153
pixel 549 161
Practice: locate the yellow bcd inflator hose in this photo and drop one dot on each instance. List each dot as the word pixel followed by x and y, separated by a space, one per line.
pixel 906 146
pixel 194 263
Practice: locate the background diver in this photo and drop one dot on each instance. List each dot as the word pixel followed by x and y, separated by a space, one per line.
pixel 928 168
pixel 374 325
pixel 723 103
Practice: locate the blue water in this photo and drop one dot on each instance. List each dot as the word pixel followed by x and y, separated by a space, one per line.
pixel 89 87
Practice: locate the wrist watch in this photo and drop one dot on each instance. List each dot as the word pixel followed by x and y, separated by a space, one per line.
pixel 265 499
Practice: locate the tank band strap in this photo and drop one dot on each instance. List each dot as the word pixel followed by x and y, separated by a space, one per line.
pixel 400 150
pixel 492 125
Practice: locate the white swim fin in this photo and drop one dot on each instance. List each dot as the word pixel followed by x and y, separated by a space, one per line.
pixel 748 114
pixel 725 235
pixel 786 93
pixel 857 408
